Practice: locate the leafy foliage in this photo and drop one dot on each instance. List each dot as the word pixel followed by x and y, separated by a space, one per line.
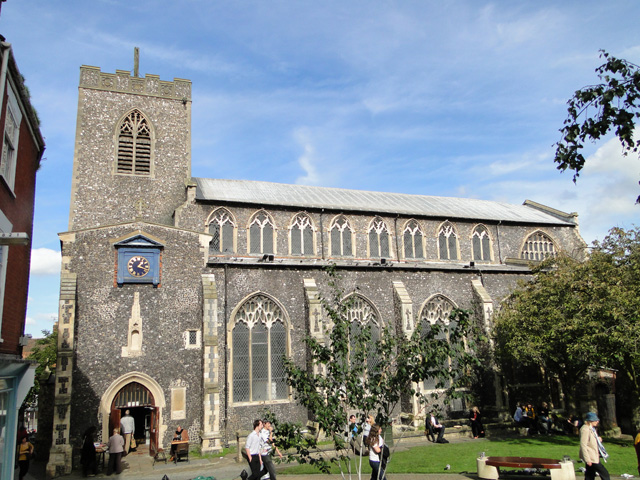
pixel 595 110
pixel 574 315
pixel 45 352
pixel 349 373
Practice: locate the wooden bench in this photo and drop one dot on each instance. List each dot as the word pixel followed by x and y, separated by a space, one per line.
pixel 488 467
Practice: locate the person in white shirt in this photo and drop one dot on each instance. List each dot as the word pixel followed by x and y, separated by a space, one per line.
pixel 128 426
pixel 376 442
pixel 437 428
pixel 252 447
pixel 266 435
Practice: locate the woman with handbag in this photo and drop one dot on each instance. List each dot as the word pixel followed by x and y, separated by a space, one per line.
pixel 25 451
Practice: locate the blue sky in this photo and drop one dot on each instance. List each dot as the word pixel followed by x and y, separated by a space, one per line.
pixel 450 98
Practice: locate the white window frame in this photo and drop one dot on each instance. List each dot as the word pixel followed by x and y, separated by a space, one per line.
pixel 5 227
pixel 192 346
pixel 10 137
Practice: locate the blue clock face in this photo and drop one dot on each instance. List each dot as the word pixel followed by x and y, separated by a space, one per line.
pixel 138 266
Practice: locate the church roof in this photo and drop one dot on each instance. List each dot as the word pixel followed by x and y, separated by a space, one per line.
pixel 339 199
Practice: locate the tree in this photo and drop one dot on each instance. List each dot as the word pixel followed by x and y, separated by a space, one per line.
pixel 352 372
pixel 575 315
pixel 595 110
pixel 45 352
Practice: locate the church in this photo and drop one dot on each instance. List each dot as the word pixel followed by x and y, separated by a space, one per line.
pixel 179 294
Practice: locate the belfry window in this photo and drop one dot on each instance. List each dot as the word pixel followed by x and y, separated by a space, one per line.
pixel 481 244
pixel 379 239
pixel 537 247
pixel 341 241
pixel 222 231
pixel 447 242
pixel 134 145
pixel 413 239
pixel 261 234
pixel 259 342
pixel 302 235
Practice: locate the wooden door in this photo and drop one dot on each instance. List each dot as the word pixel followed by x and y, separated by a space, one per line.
pixel 154 431
pixel 114 422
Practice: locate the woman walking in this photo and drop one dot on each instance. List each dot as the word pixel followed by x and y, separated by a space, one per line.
pixel 591 449
pixel 376 442
pixel 25 451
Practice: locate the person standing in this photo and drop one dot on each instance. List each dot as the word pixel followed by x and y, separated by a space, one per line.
pixel 436 427
pixel 116 447
pixel 128 425
pixel 266 436
pixel 88 455
pixel 252 447
pixel 591 449
pixel 25 451
pixel 376 443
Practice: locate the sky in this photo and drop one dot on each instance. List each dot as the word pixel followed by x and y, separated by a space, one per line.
pixel 461 98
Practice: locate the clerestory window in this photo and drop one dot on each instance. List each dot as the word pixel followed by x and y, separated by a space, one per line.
pixel 447 242
pixel 413 240
pixel 538 247
pixel 222 230
pixel 379 239
pixel 302 232
pixel 481 244
pixel 262 234
pixel 341 237
pixel 258 344
pixel 134 145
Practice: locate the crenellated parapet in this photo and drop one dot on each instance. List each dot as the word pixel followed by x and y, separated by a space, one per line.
pixel 123 82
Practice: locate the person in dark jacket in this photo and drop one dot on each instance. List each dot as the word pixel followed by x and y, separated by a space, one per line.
pixel 476 422
pixel 88 454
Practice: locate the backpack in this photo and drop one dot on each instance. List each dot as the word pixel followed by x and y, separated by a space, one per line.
pixel 386 453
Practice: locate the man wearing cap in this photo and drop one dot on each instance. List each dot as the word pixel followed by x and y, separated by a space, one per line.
pixel 591 449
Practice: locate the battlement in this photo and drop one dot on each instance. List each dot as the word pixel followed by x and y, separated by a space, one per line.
pixel 122 81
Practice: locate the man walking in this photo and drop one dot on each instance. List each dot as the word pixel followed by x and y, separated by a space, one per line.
pixel 128 425
pixel 252 447
pixel 266 435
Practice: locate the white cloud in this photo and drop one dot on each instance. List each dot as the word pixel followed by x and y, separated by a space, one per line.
pixel 307 160
pixel 45 261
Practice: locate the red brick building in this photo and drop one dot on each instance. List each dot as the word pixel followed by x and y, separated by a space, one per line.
pixel 22 149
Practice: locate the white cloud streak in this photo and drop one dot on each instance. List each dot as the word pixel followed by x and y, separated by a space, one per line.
pixel 45 261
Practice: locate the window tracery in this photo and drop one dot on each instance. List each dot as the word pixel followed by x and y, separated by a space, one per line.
pixel 436 311
pixel 538 247
pixel 481 244
pixel 259 341
pixel 262 234
pixel 447 242
pixel 302 232
pixel 341 241
pixel 222 228
pixel 379 239
pixel 413 240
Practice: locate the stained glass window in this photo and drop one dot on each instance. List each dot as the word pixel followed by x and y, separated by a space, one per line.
pixel 537 247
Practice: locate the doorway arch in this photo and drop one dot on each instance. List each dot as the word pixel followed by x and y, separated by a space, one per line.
pixel 155 393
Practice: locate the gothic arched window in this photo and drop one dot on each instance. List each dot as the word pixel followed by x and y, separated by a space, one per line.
pixel 379 239
pixel 134 145
pixel 447 242
pixel 262 234
pixel 413 240
pixel 537 247
pixel 362 314
pixel 222 229
pixel 481 244
pixel 258 344
pixel 302 232
pixel 436 311
pixel 341 241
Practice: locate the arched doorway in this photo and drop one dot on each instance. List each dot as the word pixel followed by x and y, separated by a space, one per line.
pixel 143 397
pixel 136 399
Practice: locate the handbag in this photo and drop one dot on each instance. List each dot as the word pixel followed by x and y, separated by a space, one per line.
pixel 133 443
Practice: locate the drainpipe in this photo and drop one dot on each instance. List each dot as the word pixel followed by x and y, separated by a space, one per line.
pixel 321 235
pixel 498 240
pixel 226 358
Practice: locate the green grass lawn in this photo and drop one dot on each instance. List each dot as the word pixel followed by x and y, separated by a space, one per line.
pixel 432 458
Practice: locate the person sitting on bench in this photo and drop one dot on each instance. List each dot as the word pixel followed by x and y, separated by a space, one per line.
pixel 433 427
pixel 181 435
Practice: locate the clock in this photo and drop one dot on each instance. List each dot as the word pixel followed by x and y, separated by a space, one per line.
pixel 138 266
